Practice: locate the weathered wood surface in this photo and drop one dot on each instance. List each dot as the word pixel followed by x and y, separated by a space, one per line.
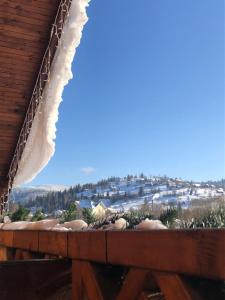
pixel 154 264
pixel 89 245
pixel 192 252
pixel 53 243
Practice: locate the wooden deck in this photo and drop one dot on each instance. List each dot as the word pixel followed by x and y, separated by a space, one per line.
pixel 122 265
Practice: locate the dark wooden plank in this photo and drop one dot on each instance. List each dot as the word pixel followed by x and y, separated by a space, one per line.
pixel 173 287
pixel 92 287
pixel 87 245
pixel 25 30
pixel 6 253
pixel 14 75
pixel 27 53
pixel 12 17
pixel 20 45
pixel 44 4
pixel 17 68
pixel 10 116
pixel 13 106
pixel 77 285
pixel 13 93
pixel 29 7
pixel 53 243
pixel 25 279
pixel 133 284
pixel 6 238
pixel 25 11
pixel 11 33
pixel 10 80
pixel 193 252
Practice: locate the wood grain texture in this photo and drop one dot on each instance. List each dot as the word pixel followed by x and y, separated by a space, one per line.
pixel 89 245
pixel 6 238
pixel 25 27
pixel 53 243
pixel 194 252
pixel 133 284
pixel 174 287
pixel 77 285
pixel 90 282
pixel 26 240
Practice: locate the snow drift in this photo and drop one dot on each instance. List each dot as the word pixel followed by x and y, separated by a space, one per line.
pixel 40 145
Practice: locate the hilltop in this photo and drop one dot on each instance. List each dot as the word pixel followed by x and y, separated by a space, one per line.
pixel 122 194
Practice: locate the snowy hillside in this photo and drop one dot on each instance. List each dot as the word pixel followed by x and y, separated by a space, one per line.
pixel 122 194
pixel 31 192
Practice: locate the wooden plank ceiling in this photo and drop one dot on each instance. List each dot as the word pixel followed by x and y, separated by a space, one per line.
pixel 25 27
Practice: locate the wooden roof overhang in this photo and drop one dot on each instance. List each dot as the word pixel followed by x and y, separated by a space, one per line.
pixel 29 35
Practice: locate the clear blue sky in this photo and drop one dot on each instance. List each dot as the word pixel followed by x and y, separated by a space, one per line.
pixel 147 94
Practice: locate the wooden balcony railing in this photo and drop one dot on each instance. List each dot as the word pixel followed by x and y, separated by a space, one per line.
pixel 121 265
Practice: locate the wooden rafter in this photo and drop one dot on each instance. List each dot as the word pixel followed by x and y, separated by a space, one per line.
pixel 29 36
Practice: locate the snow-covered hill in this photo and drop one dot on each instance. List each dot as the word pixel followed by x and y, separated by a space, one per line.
pixel 31 192
pixel 122 194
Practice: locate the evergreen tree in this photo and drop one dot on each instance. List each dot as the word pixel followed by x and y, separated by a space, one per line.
pixel 141 191
pixel 38 216
pixel 20 215
pixel 71 213
pixel 88 217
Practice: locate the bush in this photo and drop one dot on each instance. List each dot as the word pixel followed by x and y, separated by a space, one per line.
pixel 70 214
pixel 88 217
pixel 210 219
pixel 38 216
pixel 20 215
pixel 168 217
pixel 134 217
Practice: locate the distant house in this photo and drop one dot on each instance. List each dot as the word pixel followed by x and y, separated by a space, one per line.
pixel 58 213
pixel 99 211
pixel 85 203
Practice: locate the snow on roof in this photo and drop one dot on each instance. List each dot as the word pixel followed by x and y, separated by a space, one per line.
pixel 40 145
pixel 85 203
pixel 106 202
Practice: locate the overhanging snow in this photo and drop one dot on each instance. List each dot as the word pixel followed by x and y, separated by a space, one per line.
pixel 40 146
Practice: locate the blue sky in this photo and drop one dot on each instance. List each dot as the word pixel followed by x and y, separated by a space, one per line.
pixel 147 94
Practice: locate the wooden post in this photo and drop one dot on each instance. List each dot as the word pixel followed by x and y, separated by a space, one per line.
pixel 77 286
pixel 6 253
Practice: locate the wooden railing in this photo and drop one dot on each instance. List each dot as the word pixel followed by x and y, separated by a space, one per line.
pixel 121 265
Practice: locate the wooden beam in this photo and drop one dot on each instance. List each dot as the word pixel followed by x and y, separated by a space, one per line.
pixel 6 238
pixel 77 285
pixel 53 243
pixel 133 284
pixel 26 240
pixel 194 252
pixel 174 287
pixel 87 245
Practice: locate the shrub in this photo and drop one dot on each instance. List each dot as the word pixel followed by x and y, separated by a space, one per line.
pixel 168 217
pixel 70 214
pixel 21 214
pixel 88 217
pixel 38 216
